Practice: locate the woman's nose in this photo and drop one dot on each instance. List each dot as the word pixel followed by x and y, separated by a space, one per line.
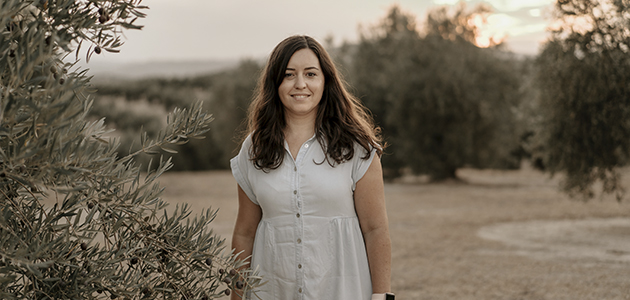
pixel 299 82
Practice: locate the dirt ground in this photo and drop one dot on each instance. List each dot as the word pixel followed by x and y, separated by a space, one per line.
pixel 498 235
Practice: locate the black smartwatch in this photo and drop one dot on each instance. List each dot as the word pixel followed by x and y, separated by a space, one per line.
pixel 389 296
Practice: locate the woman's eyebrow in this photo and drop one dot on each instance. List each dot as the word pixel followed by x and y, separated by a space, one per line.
pixel 307 68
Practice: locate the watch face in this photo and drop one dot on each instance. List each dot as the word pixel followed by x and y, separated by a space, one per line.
pixel 389 296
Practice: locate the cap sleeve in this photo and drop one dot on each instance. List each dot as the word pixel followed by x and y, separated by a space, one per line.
pixel 242 167
pixel 360 165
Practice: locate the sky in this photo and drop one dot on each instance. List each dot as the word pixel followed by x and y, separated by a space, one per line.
pixel 186 30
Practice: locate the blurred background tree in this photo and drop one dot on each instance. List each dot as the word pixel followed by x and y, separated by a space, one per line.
pixel 584 80
pixel 443 102
pixel 77 221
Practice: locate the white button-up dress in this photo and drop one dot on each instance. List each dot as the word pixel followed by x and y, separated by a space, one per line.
pixel 308 243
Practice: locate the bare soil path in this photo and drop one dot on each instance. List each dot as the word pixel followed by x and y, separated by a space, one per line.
pixel 508 235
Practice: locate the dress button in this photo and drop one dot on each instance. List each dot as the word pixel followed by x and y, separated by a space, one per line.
pixel 294 192
pixel 299 266
pixel 299 241
pixel 295 169
pixel 297 215
pixel 306 146
pixel 300 290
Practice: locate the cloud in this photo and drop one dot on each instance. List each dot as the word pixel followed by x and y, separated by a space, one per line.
pixel 502 5
pixel 514 5
pixel 535 12
pixel 502 20
pixel 447 2
pixel 512 25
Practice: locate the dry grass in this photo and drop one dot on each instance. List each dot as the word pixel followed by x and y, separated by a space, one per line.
pixel 437 251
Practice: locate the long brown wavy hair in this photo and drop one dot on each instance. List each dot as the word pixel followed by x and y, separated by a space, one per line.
pixel 341 118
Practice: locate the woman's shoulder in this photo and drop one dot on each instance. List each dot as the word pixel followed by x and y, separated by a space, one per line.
pixel 248 139
pixel 246 143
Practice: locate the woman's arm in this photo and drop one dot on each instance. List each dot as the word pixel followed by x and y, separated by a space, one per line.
pixel 369 200
pixel 249 215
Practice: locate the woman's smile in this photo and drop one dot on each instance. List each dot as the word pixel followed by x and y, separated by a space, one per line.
pixel 300 96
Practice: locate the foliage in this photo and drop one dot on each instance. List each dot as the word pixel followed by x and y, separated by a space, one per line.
pixel 76 220
pixel 584 77
pixel 443 103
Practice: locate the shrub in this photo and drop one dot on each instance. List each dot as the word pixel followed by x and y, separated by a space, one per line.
pixel 76 220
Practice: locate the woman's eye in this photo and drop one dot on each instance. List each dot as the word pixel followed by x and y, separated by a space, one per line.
pixel 311 74
pixel 288 74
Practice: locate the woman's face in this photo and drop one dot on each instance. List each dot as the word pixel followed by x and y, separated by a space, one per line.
pixel 303 85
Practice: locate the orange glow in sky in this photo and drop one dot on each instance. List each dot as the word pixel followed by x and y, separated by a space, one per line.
pixel 489 34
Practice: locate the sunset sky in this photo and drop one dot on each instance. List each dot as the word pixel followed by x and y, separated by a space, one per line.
pixel 180 30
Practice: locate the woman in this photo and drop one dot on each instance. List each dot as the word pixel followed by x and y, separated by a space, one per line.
pixel 310 189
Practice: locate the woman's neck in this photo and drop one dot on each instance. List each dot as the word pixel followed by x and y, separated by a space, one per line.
pixel 299 127
pixel 297 132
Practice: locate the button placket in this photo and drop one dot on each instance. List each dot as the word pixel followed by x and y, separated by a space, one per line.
pixel 298 221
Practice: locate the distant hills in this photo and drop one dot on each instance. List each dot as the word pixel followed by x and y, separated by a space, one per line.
pixel 107 72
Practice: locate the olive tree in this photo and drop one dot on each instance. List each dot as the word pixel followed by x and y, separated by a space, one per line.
pixel 584 80
pixel 443 102
pixel 76 220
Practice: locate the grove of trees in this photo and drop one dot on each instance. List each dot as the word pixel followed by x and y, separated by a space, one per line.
pixel 442 101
